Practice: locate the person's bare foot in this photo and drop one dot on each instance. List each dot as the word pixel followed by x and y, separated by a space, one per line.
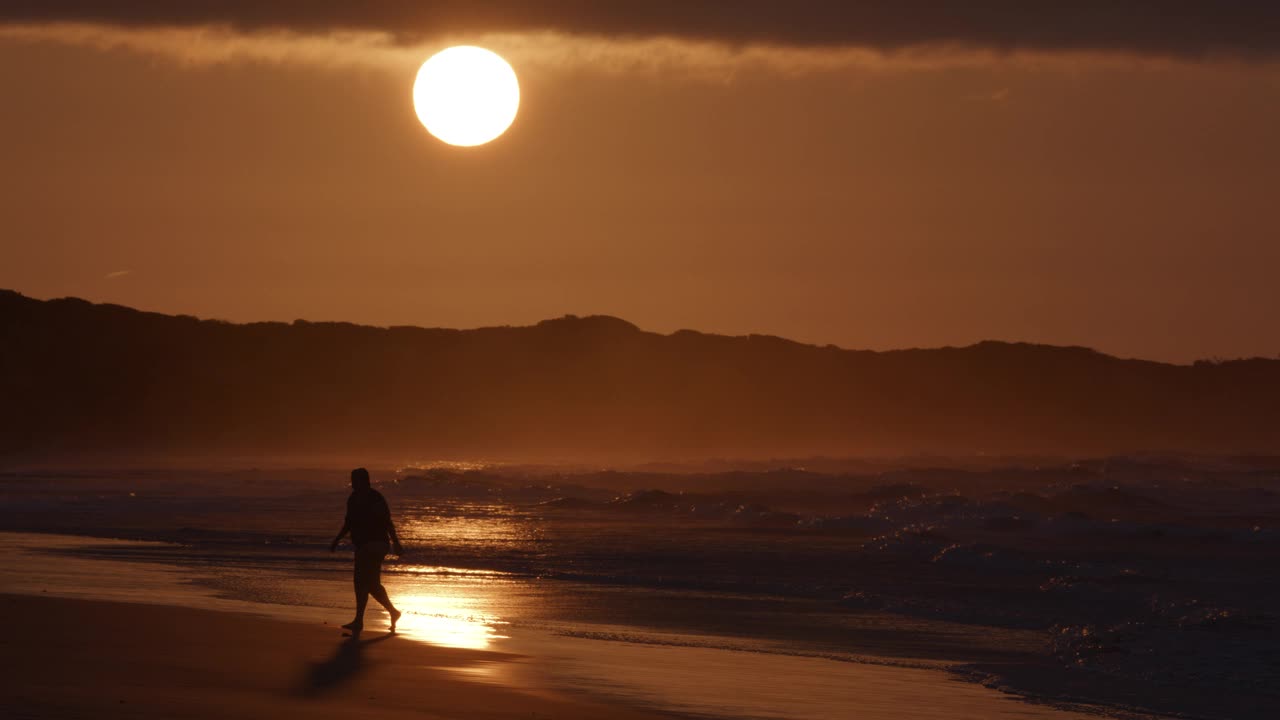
pixel 354 626
pixel 395 616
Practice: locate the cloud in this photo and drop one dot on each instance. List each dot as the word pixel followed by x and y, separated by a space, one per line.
pixel 1187 29
pixel 686 60
pixel 215 45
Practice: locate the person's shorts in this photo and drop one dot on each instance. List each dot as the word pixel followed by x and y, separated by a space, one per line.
pixel 369 557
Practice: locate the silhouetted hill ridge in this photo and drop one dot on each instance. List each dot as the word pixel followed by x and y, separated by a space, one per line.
pixel 79 375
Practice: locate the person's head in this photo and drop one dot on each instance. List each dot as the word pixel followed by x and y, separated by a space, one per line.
pixel 359 479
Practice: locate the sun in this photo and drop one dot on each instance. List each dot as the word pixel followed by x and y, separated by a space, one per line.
pixel 466 95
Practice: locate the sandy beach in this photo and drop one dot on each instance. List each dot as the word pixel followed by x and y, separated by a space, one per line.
pixel 75 658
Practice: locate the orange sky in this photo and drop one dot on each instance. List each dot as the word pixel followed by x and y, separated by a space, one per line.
pixel 829 195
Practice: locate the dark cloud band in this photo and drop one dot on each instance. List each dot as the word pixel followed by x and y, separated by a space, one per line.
pixel 1187 28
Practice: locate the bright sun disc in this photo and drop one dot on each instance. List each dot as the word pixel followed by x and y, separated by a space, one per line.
pixel 466 95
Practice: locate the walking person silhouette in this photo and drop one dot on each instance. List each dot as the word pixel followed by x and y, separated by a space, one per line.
pixel 369 522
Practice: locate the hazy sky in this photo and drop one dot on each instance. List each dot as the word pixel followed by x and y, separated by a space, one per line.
pixel 875 178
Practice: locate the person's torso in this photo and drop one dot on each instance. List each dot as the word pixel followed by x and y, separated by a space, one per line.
pixel 368 517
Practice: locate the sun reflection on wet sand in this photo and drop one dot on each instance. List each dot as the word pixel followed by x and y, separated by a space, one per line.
pixel 447 621
pixel 449 606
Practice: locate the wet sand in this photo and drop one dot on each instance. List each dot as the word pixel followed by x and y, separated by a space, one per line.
pixel 70 658
pixel 74 658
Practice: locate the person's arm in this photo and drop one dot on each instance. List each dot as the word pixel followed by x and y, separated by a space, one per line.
pixel 346 528
pixel 391 530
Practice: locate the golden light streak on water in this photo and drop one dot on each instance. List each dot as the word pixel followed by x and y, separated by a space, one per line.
pixel 445 570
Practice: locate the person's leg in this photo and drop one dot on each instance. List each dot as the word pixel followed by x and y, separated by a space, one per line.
pixel 361 582
pixel 379 592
